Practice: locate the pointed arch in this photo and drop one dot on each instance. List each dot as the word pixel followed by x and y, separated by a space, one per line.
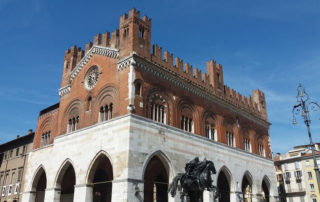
pixel 100 176
pixel 248 175
pixel 267 181
pixel 66 180
pixel 228 174
pixel 224 184
pixel 163 158
pixel 265 188
pixel 62 171
pixel 37 175
pixel 156 177
pixel 39 184
pixel 93 165
pixel 246 186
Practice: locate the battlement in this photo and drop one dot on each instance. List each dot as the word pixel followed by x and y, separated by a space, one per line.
pixel 211 81
pixel 73 55
pixel 134 35
pixel 133 14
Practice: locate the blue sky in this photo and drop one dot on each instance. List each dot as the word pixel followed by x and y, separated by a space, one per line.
pixel 271 45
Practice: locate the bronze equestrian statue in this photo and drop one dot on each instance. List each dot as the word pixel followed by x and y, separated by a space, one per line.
pixel 194 181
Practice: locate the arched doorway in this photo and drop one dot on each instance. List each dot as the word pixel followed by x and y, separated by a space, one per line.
pixel 223 185
pixel 265 190
pixel 246 188
pixel 39 185
pixel 66 181
pixel 101 176
pixel 156 181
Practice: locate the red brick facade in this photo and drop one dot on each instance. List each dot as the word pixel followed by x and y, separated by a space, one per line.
pixel 174 94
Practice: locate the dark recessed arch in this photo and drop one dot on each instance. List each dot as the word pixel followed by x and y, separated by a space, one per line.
pixel 265 189
pixel 224 184
pixel 39 184
pixel 156 179
pixel 100 176
pixel 246 187
pixel 65 181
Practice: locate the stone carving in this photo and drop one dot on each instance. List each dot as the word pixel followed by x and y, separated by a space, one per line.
pixel 194 181
pixel 64 90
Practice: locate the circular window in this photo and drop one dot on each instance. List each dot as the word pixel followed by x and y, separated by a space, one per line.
pixel 91 77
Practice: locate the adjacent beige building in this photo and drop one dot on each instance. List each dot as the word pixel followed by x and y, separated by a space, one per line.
pixel 13 157
pixel 296 178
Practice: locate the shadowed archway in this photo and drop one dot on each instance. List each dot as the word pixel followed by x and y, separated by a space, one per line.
pixel 156 179
pixel 265 189
pixel 66 181
pixel 223 185
pixel 101 176
pixel 39 185
pixel 246 187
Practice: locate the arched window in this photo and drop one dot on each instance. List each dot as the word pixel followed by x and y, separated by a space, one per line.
pixel 210 131
pixel 138 88
pixel 106 112
pixel 45 138
pixel 230 139
pixel 186 123
pixel 89 103
pixel 247 144
pixel 126 32
pixel 157 108
pixel 261 150
pixel 157 112
pixel 73 123
pixel 141 32
pixel 209 127
pixel 12 178
pixel 186 119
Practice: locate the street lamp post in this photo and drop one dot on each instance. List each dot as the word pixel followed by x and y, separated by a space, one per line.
pixel 302 107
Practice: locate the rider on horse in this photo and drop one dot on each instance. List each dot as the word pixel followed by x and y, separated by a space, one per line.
pixel 191 166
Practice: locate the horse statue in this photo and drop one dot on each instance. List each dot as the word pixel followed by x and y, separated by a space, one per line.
pixel 196 179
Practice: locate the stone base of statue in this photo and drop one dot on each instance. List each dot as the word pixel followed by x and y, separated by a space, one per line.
pixel 192 197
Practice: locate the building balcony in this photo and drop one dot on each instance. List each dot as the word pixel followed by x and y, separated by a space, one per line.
pixel 296 191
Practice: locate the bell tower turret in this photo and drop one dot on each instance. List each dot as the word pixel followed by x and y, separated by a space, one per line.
pixel 135 34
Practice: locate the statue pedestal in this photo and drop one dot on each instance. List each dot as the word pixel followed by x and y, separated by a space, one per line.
pixel 207 196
